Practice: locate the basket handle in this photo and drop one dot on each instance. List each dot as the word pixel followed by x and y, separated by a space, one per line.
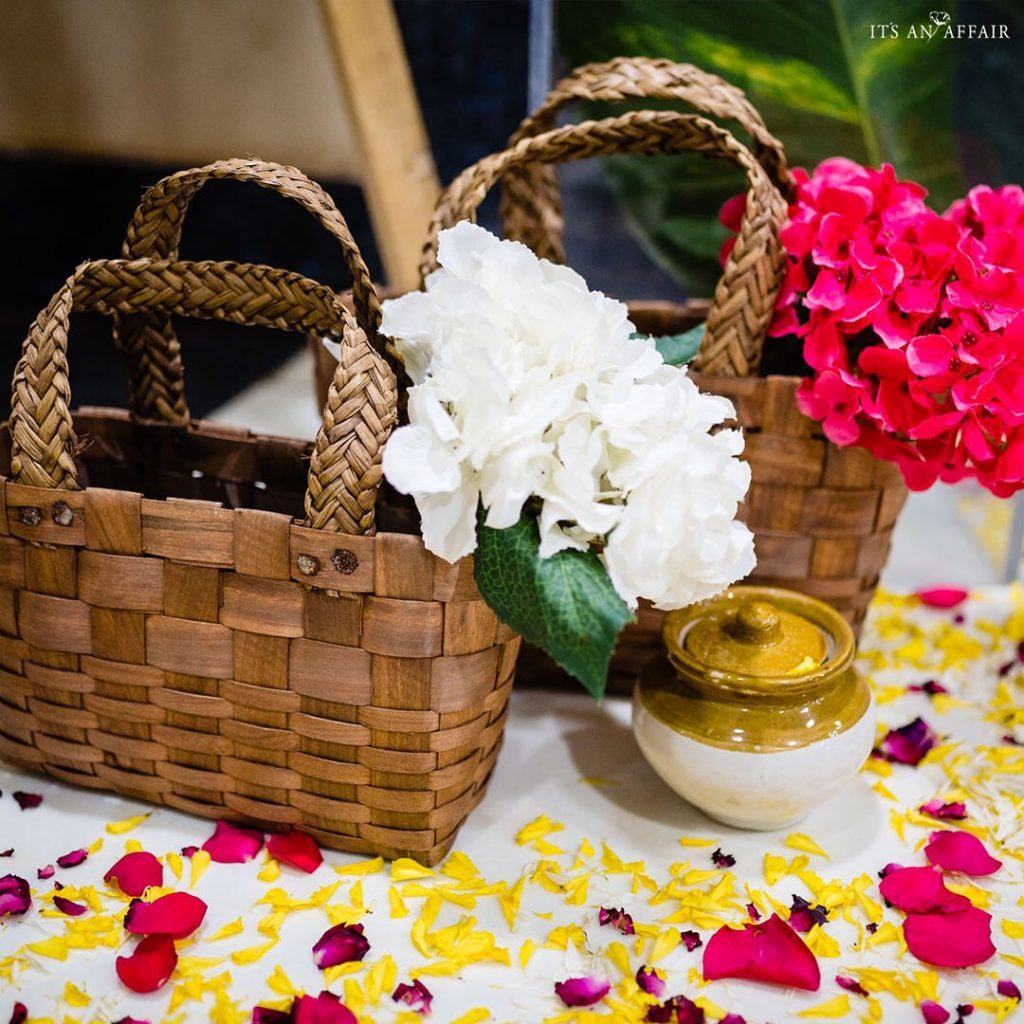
pixel 744 298
pixel 361 408
pixel 154 355
pixel 531 201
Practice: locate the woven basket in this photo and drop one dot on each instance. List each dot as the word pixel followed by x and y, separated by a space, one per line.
pixel 205 618
pixel 822 516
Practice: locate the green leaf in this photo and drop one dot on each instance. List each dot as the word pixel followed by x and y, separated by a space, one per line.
pixel 565 604
pixel 824 86
pixel 679 349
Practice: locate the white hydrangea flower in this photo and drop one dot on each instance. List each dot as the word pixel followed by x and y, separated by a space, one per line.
pixel 528 386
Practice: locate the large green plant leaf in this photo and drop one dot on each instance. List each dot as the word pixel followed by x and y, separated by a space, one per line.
pixel 565 604
pixel 823 84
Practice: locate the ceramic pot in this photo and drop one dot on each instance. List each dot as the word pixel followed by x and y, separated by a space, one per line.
pixel 754 712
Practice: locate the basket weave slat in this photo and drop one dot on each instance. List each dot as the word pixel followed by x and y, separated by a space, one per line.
pixel 208 619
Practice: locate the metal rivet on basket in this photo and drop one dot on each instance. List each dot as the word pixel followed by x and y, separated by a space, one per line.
pixel 62 514
pixel 309 565
pixel 30 516
pixel 345 561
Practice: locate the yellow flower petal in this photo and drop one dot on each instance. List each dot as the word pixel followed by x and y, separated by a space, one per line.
pixel 837 1008
pixel 117 828
pixel 526 951
pixel 200 862
pixel 271 870
pixel 476 1016
pixel 251 954
pixel 362 867
pixel 1013 929
pixel 75 997
pixel 695 841
pixel 231 928
pixel 398 907
pixel 805 844
pixel 404 869
pixel 774 868
pixel 541 826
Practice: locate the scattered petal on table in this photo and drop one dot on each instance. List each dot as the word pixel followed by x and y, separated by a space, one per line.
pixel 909 743
pixel 45 873
pixel 15 896
pixel 340 945
pixel 956 811
pixel 960 851
pixel 851 985
pixel 416 996
pixel 150 965
pixel 1008 989
pixel 933 1013
pixel 135 872
pixel 803 917
pixel 72 859
pixel 691 940
pixel 19 1014
pixel 651 981
pixel 943 597
pixel 268 1015
pixel 920 890
pixel 617 919
pixel 69 907
pixel 178 915
pixel 296 849
pixel 26 801
pixel 583 991
pixel 326 1008
pixel 723 860
pixel 767 951
pixel 230 844
pixel 959 939
pixel 677 1010
pixel 118 828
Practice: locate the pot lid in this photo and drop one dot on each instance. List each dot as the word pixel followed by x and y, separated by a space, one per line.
pixel 757 632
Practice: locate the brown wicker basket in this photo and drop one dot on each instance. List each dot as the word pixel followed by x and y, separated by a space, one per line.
pixel 178 624
pixel 822 516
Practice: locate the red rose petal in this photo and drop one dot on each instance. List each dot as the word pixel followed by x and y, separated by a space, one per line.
pixel 297 849
pixel 15 895
pixel 266 1015
pixel 851 985
pixel 958 939
pixel 72 859
pixel 44 873
pixel 416 996
pixel 130 1020
pixel 649 981
pixel 69 907
pixel 920 891
pixel 1008 989
pixel 677 1010
pixel 585 991
pixel 909 743
pixel 943 597
pixel 933 1013
pixel 26 801
pixel 767 951
pixel 960 851
pixel 691 940
pixel 19 1014
pixel 326 1008
pixel 617 919
pixel 340 945
pixel 150 965
pixel 956 811
pixel 232 845
pixel 732 1018
pixel 135 872
pixel 178 915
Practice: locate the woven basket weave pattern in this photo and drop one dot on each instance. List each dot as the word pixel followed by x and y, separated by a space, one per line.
pixel 179 624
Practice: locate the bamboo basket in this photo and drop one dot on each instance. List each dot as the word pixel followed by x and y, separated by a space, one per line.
pixel 822 516
pixel 208 619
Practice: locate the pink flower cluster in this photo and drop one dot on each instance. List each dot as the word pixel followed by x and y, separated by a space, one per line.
pixel 911 322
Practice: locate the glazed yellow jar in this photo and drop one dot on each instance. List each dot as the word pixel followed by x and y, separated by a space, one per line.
pixel 755 712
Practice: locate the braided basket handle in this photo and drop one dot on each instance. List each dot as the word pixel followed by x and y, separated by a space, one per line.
pixel 531 201
pixel 744 298
pixel 154 354
pixel 344 470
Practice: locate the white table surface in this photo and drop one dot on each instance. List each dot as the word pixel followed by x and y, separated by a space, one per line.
pixel 575 761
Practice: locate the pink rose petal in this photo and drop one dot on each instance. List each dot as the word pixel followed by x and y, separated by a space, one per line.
pixel 956 811
pixel 767 951
pixel 732 1018
pixel 326 1008
pixel 26 801
pixel 72 859
pixel 45 873
pixel 960 851
pixel 232 845
pixel 150 965
pixel 178 914
pixel 617 919
pixel 909 743
pixel 677 1010
pixel 803 917
pixel 920 891
pixel 958 939
pixel 135 872
pixel 931 687
pixel 1008 989
pixel 650 982
pixel 416 996
pixel 585 991
pixel 130 1020
pixel 340 945
pixel 933 1013
pixel 190 852
pixel 851 985
pixel 943 597
pixel 15 896
pixel 691 940
pixel 296 849
pixel 69 907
